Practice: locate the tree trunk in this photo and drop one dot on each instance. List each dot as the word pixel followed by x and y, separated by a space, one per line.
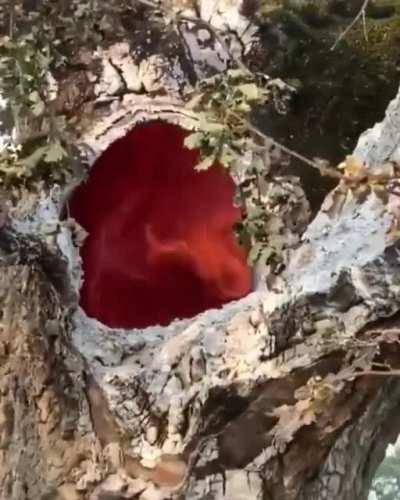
pixel 284 394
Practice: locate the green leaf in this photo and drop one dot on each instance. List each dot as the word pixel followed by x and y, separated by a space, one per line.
pixel 193 141
pixel 207 126
pixel 204 164
pixel 227 156
pixel 5 41
pixel 55 153
pixel 34 96
pixel 250 91
pixel 254 253
pixel 38 108
pixel 258 164
pixel 255 212
pixel 212 127
pixel 243 107
pixel 266 253
pixel 260 251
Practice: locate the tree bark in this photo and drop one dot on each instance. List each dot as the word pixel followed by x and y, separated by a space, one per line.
pixel 284 394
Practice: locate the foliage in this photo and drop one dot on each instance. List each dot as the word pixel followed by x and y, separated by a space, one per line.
pixel 223 104
pixel 224 135
pixel 20 165
pixel 24 79
pixel 24 68
pixel 37 40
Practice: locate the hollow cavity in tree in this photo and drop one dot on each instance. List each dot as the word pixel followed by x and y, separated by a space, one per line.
pixel 161 241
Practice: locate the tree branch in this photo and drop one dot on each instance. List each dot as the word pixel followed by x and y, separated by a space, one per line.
pixel 323 170
pixel 361 13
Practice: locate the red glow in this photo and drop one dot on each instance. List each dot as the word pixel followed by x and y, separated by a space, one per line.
pixel 161 244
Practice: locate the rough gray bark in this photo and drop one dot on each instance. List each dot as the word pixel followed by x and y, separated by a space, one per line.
pixel 261 399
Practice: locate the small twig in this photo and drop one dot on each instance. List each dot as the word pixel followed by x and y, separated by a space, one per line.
pixel 4 209
pixel 331 172
pixel 377 373
pixel 11 20
pixel 364 21
pixel 149 4
pixel 361 13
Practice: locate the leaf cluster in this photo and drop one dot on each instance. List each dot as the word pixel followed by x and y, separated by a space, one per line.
pixel 25 62
pixel 23 72
pixel 223 104
pixel 225 136
pixel 20 165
